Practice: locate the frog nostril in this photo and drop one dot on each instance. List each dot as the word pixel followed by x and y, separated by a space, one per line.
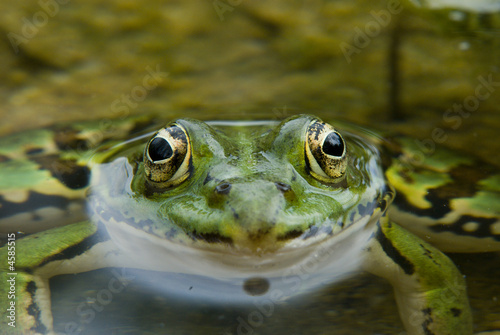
pixel 282 187
pixel 223 188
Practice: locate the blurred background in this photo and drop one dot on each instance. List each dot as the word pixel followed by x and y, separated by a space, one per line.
pixel 411 66
pixel 402 63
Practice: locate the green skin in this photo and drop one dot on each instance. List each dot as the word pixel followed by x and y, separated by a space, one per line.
pixel 247 191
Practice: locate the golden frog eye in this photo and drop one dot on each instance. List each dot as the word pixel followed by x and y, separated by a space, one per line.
pixel 167 157
pixel 326 152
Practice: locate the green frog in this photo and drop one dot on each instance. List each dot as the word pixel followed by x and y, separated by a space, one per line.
pixel 266 205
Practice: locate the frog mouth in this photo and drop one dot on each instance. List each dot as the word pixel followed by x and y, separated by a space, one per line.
pixel 270 238
pixel 258 241
pixel 212 238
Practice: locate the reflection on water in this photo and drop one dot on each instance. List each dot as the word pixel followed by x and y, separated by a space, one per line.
pixel 83 302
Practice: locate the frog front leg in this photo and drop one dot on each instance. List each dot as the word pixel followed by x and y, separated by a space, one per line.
pixel 25 300
pixel 25 303
pixel 430 291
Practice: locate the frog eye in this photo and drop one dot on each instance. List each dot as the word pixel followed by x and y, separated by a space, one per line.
pixel 167 157
pixel 326 152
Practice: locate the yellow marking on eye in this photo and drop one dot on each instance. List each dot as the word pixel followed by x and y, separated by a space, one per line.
pixel 470 227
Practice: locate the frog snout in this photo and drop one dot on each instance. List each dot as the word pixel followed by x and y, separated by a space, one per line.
pixel 225 187
pixel 256 206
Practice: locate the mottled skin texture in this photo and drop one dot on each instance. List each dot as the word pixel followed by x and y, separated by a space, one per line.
pixel 248 191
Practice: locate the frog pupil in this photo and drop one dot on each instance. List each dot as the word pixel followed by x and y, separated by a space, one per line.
pixel 333 145
pixel 160 149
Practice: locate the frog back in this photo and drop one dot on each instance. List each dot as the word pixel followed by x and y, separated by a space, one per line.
pixel 447 198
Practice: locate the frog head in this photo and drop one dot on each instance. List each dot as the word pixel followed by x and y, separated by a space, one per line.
pixel 247 189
